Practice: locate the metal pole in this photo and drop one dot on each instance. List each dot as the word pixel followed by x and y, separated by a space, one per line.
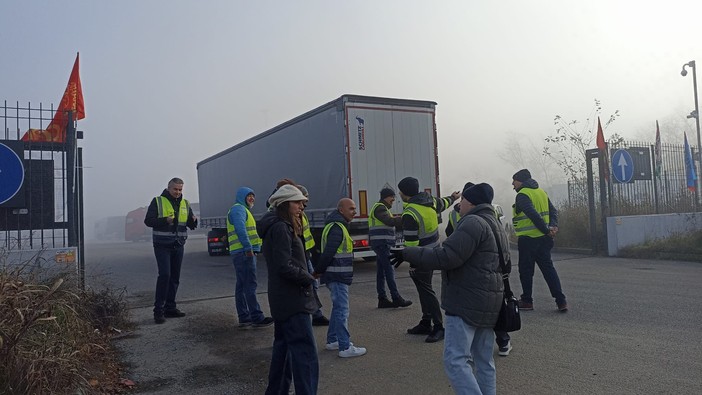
pixel 697 124
pixel 590 155
pixel 70 181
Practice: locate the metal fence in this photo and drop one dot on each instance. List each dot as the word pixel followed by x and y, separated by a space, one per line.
pixel 47 212
pixel 651 191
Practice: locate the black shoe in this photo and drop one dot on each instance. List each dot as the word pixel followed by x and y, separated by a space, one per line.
pixel 173 314
pixel 266 321
pixel 423 328
pixel 399 302
pixel 159 318
pixel 320 321
pixel 436 334
pixel 384 303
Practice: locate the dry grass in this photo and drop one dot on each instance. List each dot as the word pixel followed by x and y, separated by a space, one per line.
pixel 54 337
pixel 679 247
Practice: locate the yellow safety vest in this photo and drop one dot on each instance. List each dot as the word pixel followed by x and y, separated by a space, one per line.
pixel 378 232
pixel 306 233
pixel 454 216
pixel 428 232
pixel 165 209
pixel 523 226
pixel 233 238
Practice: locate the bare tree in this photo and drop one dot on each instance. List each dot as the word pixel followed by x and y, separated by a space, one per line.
pixel 523 152
pixel 567 146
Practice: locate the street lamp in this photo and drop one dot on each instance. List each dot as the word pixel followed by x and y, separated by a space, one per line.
pixel 695 114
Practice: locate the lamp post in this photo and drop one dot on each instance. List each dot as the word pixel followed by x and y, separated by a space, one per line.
pixel 695 114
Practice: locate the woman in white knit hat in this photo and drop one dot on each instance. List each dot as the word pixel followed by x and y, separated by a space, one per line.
pixel 290 295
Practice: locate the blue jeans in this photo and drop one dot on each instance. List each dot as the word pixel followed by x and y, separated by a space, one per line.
pixel 169 260
pixel 462 342
pixel 294 355
pixel 538 250
pixel 315 287
pixel 385 272
pixel 247 306
pixel 339 319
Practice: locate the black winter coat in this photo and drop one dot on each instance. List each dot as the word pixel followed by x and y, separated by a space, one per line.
pixel 289 283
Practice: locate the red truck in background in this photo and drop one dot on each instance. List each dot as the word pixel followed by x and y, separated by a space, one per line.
pixel 134 228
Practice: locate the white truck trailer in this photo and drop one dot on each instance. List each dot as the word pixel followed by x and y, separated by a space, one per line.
pixel 350 147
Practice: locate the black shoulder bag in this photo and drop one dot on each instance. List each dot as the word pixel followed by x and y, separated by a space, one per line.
pixel 509 319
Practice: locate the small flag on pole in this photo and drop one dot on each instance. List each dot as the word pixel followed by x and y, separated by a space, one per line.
pixel 602 147
pixel 657 153
pixel 690 167
pixel 72 100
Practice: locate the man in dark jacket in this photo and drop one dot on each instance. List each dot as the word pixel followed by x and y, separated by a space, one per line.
pixel 290 295
pixel 504 345
pixel 169 216
pixel 381 234
pixel 420 227
pixel 535 222
pixel 335 265
pixel 471 292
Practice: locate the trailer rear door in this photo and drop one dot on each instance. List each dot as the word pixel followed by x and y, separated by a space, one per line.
pixel 386 144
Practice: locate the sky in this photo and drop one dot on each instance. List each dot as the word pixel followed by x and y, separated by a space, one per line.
pixel 169 83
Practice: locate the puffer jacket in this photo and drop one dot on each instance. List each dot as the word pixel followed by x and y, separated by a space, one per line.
pixel 471 282
pixel 289 283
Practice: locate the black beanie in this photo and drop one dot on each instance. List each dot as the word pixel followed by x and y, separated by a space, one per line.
pixel 522 175
pixel 468 185
pixel 409 186
pixel 385 192
pixel 479 194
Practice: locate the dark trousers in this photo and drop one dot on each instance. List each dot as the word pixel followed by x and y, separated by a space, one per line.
pixel 168 259
pixel 294 355
pixel 431 309
pixel 538 250
pixel 385 272
pixel 501 338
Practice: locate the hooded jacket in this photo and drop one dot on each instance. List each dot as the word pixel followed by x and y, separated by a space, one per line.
pixel 289 283
pixel 524 204
pixel 237 217
pixel 471 282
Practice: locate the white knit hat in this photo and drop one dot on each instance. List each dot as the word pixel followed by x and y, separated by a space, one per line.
pixel 286 193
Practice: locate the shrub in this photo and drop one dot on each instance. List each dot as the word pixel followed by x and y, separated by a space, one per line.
pixel 53 335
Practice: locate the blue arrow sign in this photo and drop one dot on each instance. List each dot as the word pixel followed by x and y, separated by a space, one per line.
pixel 11 173
pixel 622 166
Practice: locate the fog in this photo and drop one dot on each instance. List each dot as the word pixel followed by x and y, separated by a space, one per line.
pixel 170 83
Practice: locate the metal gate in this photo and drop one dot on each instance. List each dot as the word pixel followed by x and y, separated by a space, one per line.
pixel 44 210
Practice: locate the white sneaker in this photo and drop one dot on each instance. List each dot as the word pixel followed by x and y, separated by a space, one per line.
pixel 334 346
pixel 504 351
pixel 352 351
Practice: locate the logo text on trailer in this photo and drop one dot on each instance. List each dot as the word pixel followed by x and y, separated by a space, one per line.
pixel 361 134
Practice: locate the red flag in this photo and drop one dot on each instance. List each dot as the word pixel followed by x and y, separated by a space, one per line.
pixel 72 100
pixel 602 146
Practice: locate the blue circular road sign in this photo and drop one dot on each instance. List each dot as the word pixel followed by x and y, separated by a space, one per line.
pixel 11 173
pixel 622 166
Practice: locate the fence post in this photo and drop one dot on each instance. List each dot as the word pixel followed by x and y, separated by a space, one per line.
pixel 590 154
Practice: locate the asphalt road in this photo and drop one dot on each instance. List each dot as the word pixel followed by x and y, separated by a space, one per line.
pixel 633 328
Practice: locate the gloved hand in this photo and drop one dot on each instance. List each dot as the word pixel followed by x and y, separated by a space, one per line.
pixel 396 257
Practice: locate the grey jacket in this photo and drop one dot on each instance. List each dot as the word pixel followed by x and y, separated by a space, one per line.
pixel 471 282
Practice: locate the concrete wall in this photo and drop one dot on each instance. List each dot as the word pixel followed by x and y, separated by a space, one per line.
pixel 638 229
pixel 49 262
